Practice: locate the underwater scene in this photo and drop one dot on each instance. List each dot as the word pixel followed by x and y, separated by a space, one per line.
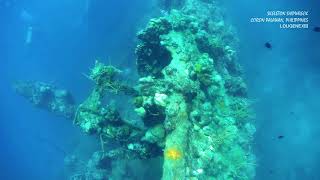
pixel 159 90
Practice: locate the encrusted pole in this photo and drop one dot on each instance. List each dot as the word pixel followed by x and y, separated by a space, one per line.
pixel 190 75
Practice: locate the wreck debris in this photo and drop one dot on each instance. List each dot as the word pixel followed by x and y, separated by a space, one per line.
pixel 47 96
pixel 191 97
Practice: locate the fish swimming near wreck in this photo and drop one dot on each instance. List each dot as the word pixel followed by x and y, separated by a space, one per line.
pixel 316 29
pixel 268 45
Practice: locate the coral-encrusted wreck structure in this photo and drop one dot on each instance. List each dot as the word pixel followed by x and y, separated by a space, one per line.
pixel 190 96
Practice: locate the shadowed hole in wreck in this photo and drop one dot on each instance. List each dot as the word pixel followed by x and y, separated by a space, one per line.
pixel 152 59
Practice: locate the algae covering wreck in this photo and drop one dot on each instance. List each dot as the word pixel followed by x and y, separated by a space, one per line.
pixel 190 96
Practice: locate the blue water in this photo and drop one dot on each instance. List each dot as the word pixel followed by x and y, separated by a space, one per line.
pixel 286 83
pixel 68 35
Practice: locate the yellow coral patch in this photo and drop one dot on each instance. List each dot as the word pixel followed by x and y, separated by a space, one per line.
pixel 173 154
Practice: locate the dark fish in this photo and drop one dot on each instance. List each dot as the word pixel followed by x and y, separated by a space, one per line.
pixel 316 29
pixel 280 137
pixel 268 45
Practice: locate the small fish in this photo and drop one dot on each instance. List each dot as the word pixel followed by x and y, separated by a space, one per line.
pixel 280 137
pixel 316 29
pixel 268 45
